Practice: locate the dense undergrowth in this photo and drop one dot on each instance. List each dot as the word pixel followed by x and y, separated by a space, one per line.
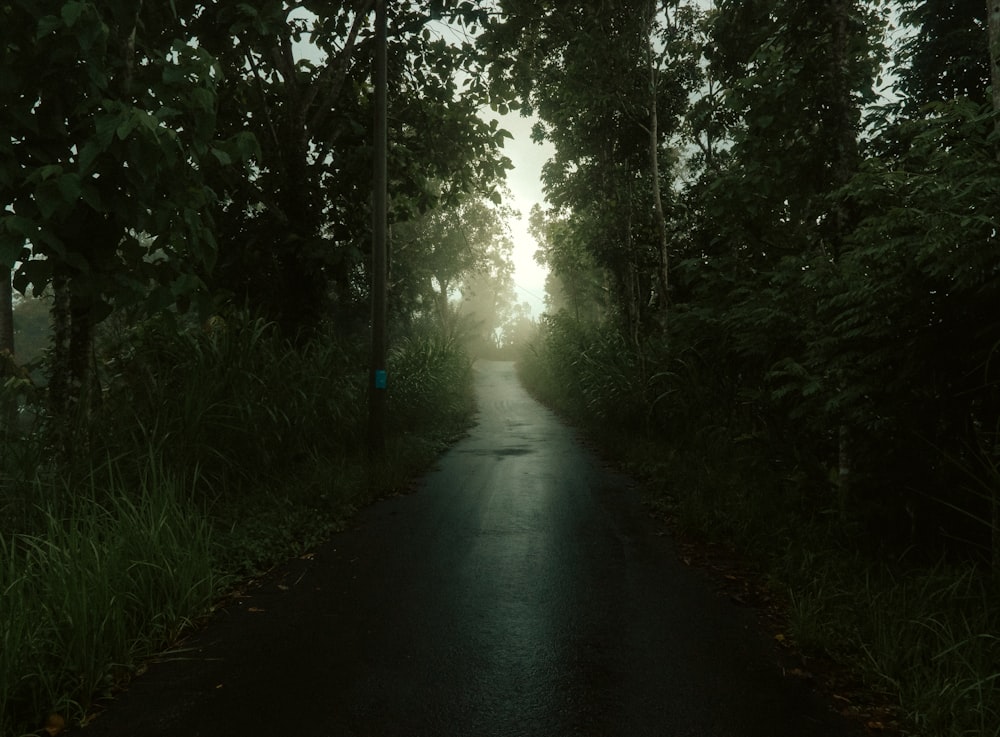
pixel 214 454
pixel 918 624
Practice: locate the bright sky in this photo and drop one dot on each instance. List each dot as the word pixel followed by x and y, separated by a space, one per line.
pixel 525 185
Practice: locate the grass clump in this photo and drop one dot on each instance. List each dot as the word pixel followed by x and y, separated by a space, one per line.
pixel 224 452
pixel 97 588
pixel 927 636
pixel 919 626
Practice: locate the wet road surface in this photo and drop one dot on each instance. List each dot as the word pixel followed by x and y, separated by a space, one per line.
pixel 521 591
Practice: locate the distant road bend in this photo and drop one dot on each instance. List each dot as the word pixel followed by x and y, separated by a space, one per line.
pixel 520 592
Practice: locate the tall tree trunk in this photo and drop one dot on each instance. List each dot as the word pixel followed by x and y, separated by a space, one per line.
pixel 633 300
pixel 59 369
pixel 661 220
pixel 993 11
pixel 81 360
pixel 843 163
pixel 71 392
pixel 654 169
pixel 6 311
pixel 8 410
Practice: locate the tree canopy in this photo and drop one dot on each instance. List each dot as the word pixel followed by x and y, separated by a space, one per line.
pixel 211 156
pixel 825 181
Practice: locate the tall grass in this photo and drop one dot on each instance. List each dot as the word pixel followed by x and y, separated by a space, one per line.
pixel 97 588
pixel 430 377
pixel 928 634
pixel 219 452
pixel 239 402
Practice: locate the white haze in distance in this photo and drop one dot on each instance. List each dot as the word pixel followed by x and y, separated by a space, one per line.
pixel 524 181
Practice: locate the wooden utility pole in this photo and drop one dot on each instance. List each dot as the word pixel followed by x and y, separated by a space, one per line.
pixel 377 373
pixel 993 11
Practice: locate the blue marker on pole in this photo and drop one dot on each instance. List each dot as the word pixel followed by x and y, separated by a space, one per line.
pixel 380 378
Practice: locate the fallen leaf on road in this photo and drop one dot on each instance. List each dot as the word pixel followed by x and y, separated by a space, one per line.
pixel 781 638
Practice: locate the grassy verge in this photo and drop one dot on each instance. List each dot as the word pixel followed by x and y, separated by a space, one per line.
pixel 94 589
pixel 924 634
pixel 223 454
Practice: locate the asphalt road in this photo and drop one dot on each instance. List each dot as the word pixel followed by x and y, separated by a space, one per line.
pixel 520 591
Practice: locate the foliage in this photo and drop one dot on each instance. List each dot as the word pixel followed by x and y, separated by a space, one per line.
pixel 294 236
pixel 226 452
pixel 828 372
pixel 164 157
pixel 946 57
pixel 233 399
pixel 928 635
pixel 452 267
pixel 96 589
pixel 609 91
pixel 32 329
pixel 431 377
pixel 105 145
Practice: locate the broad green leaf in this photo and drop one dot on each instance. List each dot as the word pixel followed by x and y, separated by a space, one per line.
pixel 72 11
pixel 47 25
pixel 47 172
pixel 92 195
pixel 50 199
pixel 126 126
pixel 222 157
pixel 15 231
pixel 88 155
pixel 106 124
pixel 70 187
pixel 173 74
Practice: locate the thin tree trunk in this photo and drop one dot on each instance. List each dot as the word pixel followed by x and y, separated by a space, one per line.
pixel 993 10
pixel 844 156
pixel 661 220
pixel 8 410
pixel 6 312
pixel 59 363
pixel 83 378
pixel 73 389
pixel 633 300
pixel 654 169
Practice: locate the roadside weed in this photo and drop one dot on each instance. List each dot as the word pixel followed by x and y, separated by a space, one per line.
pixel 94 591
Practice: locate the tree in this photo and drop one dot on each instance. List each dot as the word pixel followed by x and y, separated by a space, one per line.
pixel 574 282
pixel 453 265
pixel 611 90
pixel 109 115
pixel 773 210
pixel 947 56
pixel 293 237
